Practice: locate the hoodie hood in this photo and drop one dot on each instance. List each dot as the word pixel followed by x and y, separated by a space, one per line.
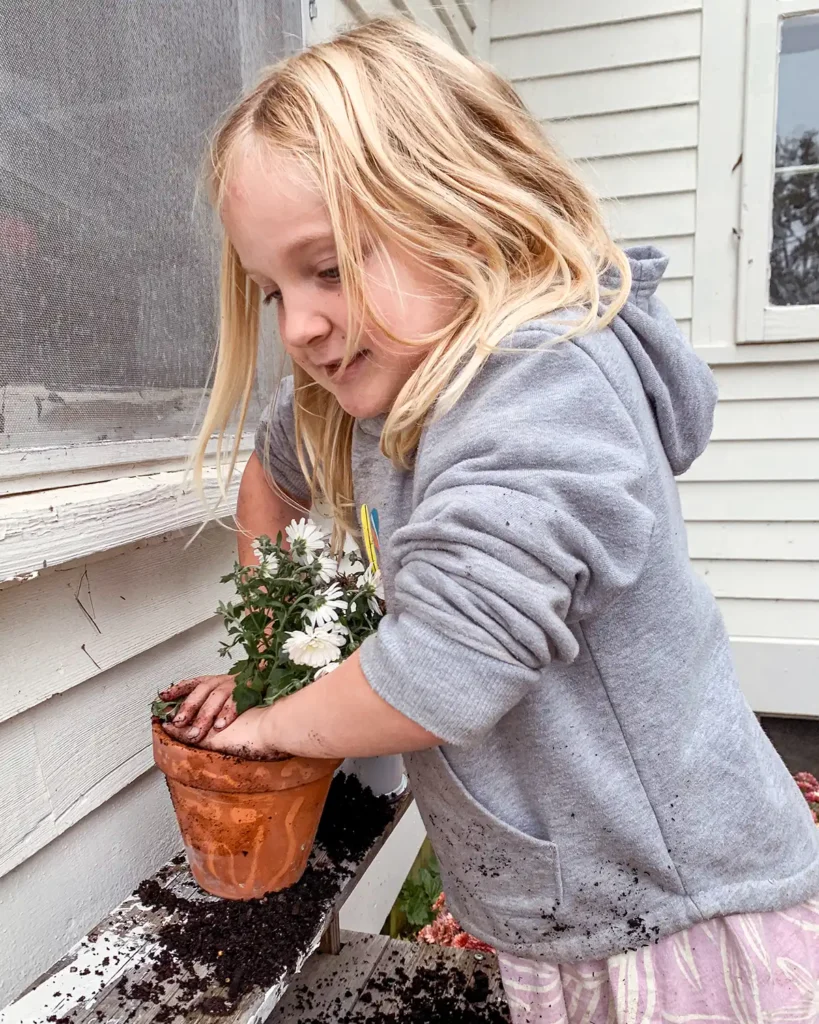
pixel 679 385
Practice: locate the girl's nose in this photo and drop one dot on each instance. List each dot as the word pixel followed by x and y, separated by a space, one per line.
pixel 302 327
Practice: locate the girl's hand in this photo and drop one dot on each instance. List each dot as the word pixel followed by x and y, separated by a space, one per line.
pixel 208 705
pixel 246 737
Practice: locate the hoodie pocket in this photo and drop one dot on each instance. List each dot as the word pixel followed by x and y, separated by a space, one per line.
pixel 502 885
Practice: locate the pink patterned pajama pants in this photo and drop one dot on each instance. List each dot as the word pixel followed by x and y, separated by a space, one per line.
pixel 744 969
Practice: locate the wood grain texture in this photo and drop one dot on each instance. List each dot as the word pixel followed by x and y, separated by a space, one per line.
pixel 67 465
pixel 330 988
pixel 78 749
pixel 72 624
pixel 57 526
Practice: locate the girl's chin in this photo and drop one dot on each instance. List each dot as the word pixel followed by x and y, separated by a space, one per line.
pixel 361 408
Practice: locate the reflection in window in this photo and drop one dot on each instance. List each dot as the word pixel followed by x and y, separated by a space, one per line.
pixel 795 242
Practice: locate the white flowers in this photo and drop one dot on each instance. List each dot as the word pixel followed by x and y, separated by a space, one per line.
pixel 306 541
pixel 370 588
pixel 268 563
pixel 315 646
pixel 328 568
pixel 326 606
pixel 325 670
pixel 351 563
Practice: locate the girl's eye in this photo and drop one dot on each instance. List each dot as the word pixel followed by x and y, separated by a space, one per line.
pixel 331 274
pixel 272 297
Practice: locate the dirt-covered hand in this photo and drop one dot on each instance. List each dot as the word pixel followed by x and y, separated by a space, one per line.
pixel 208 705
pixel 246 737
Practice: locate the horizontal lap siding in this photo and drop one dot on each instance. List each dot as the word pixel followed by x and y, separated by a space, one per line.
pixel 85 647
pixel 752 507
pixel 451 20
pixel 617 88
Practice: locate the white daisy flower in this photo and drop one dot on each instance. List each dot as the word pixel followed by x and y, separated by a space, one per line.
pixel 351 563
pixel 267 563
pixel 370 588
pixel 328 568
pixel 314 646
pixel 306 540
pixel 325 670
pixel 326 606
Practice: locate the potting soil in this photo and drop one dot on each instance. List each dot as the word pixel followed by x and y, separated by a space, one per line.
pixel 433 995
pixel 252 944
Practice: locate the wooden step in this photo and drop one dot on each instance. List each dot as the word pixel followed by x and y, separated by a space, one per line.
pixel 375 977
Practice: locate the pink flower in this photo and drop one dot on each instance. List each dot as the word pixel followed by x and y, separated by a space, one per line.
pixel 445 931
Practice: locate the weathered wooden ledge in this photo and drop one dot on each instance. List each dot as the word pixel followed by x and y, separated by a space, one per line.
pixel 100 980
pixel 373 977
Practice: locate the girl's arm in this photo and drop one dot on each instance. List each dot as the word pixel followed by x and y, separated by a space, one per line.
pixel 339 715
pixel 260 510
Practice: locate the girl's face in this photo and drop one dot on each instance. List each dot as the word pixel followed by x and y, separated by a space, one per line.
pixel 279 225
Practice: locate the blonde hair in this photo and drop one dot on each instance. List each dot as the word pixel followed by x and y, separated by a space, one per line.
pixel 411 143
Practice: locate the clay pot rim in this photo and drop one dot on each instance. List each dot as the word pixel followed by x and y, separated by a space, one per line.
pixel 217 755
pixel 227 773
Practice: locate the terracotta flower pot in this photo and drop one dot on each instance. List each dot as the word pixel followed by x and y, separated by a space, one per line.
pixel 248 826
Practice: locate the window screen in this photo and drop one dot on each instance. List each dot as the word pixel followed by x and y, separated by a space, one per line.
pixel 108 261
pixel 795 246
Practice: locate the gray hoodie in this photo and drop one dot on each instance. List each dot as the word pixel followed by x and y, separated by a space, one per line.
pixel 601 781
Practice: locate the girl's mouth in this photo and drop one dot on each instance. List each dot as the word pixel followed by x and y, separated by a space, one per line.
pixel 336 374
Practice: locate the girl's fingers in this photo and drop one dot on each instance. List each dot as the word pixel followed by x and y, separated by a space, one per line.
pixel 210 710
pixel 181 689
pixel 197 697
pixel 175 731
pixel 227 715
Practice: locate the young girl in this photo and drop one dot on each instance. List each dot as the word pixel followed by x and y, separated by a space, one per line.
pixel 475 359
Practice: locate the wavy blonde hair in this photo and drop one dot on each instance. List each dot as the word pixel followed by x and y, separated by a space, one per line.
pixel 414 144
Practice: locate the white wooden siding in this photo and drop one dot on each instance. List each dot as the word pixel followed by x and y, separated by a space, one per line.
pixel 617 88
pixel 651 40
pixel 457 21
pixel 62 891
pixel 647 96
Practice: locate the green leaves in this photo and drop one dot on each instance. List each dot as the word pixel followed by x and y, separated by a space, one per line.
pixel 244 697
pixel 418 894
pixel 164 710
pixel 271 603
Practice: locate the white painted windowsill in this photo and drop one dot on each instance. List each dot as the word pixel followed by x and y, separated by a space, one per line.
pixel 51 527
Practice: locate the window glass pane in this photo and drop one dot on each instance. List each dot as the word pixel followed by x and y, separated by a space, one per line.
pixel 795 247
pixel 107 260
pixel 794 279
pixel 797 123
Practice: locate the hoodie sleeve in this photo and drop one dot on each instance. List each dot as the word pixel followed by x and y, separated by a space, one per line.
pixel 276 444
pixel 529 518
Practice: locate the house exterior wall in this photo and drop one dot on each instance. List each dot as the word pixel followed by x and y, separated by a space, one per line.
pixel 649 97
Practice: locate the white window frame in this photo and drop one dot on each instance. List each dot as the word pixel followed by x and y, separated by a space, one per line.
pixel 757 320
